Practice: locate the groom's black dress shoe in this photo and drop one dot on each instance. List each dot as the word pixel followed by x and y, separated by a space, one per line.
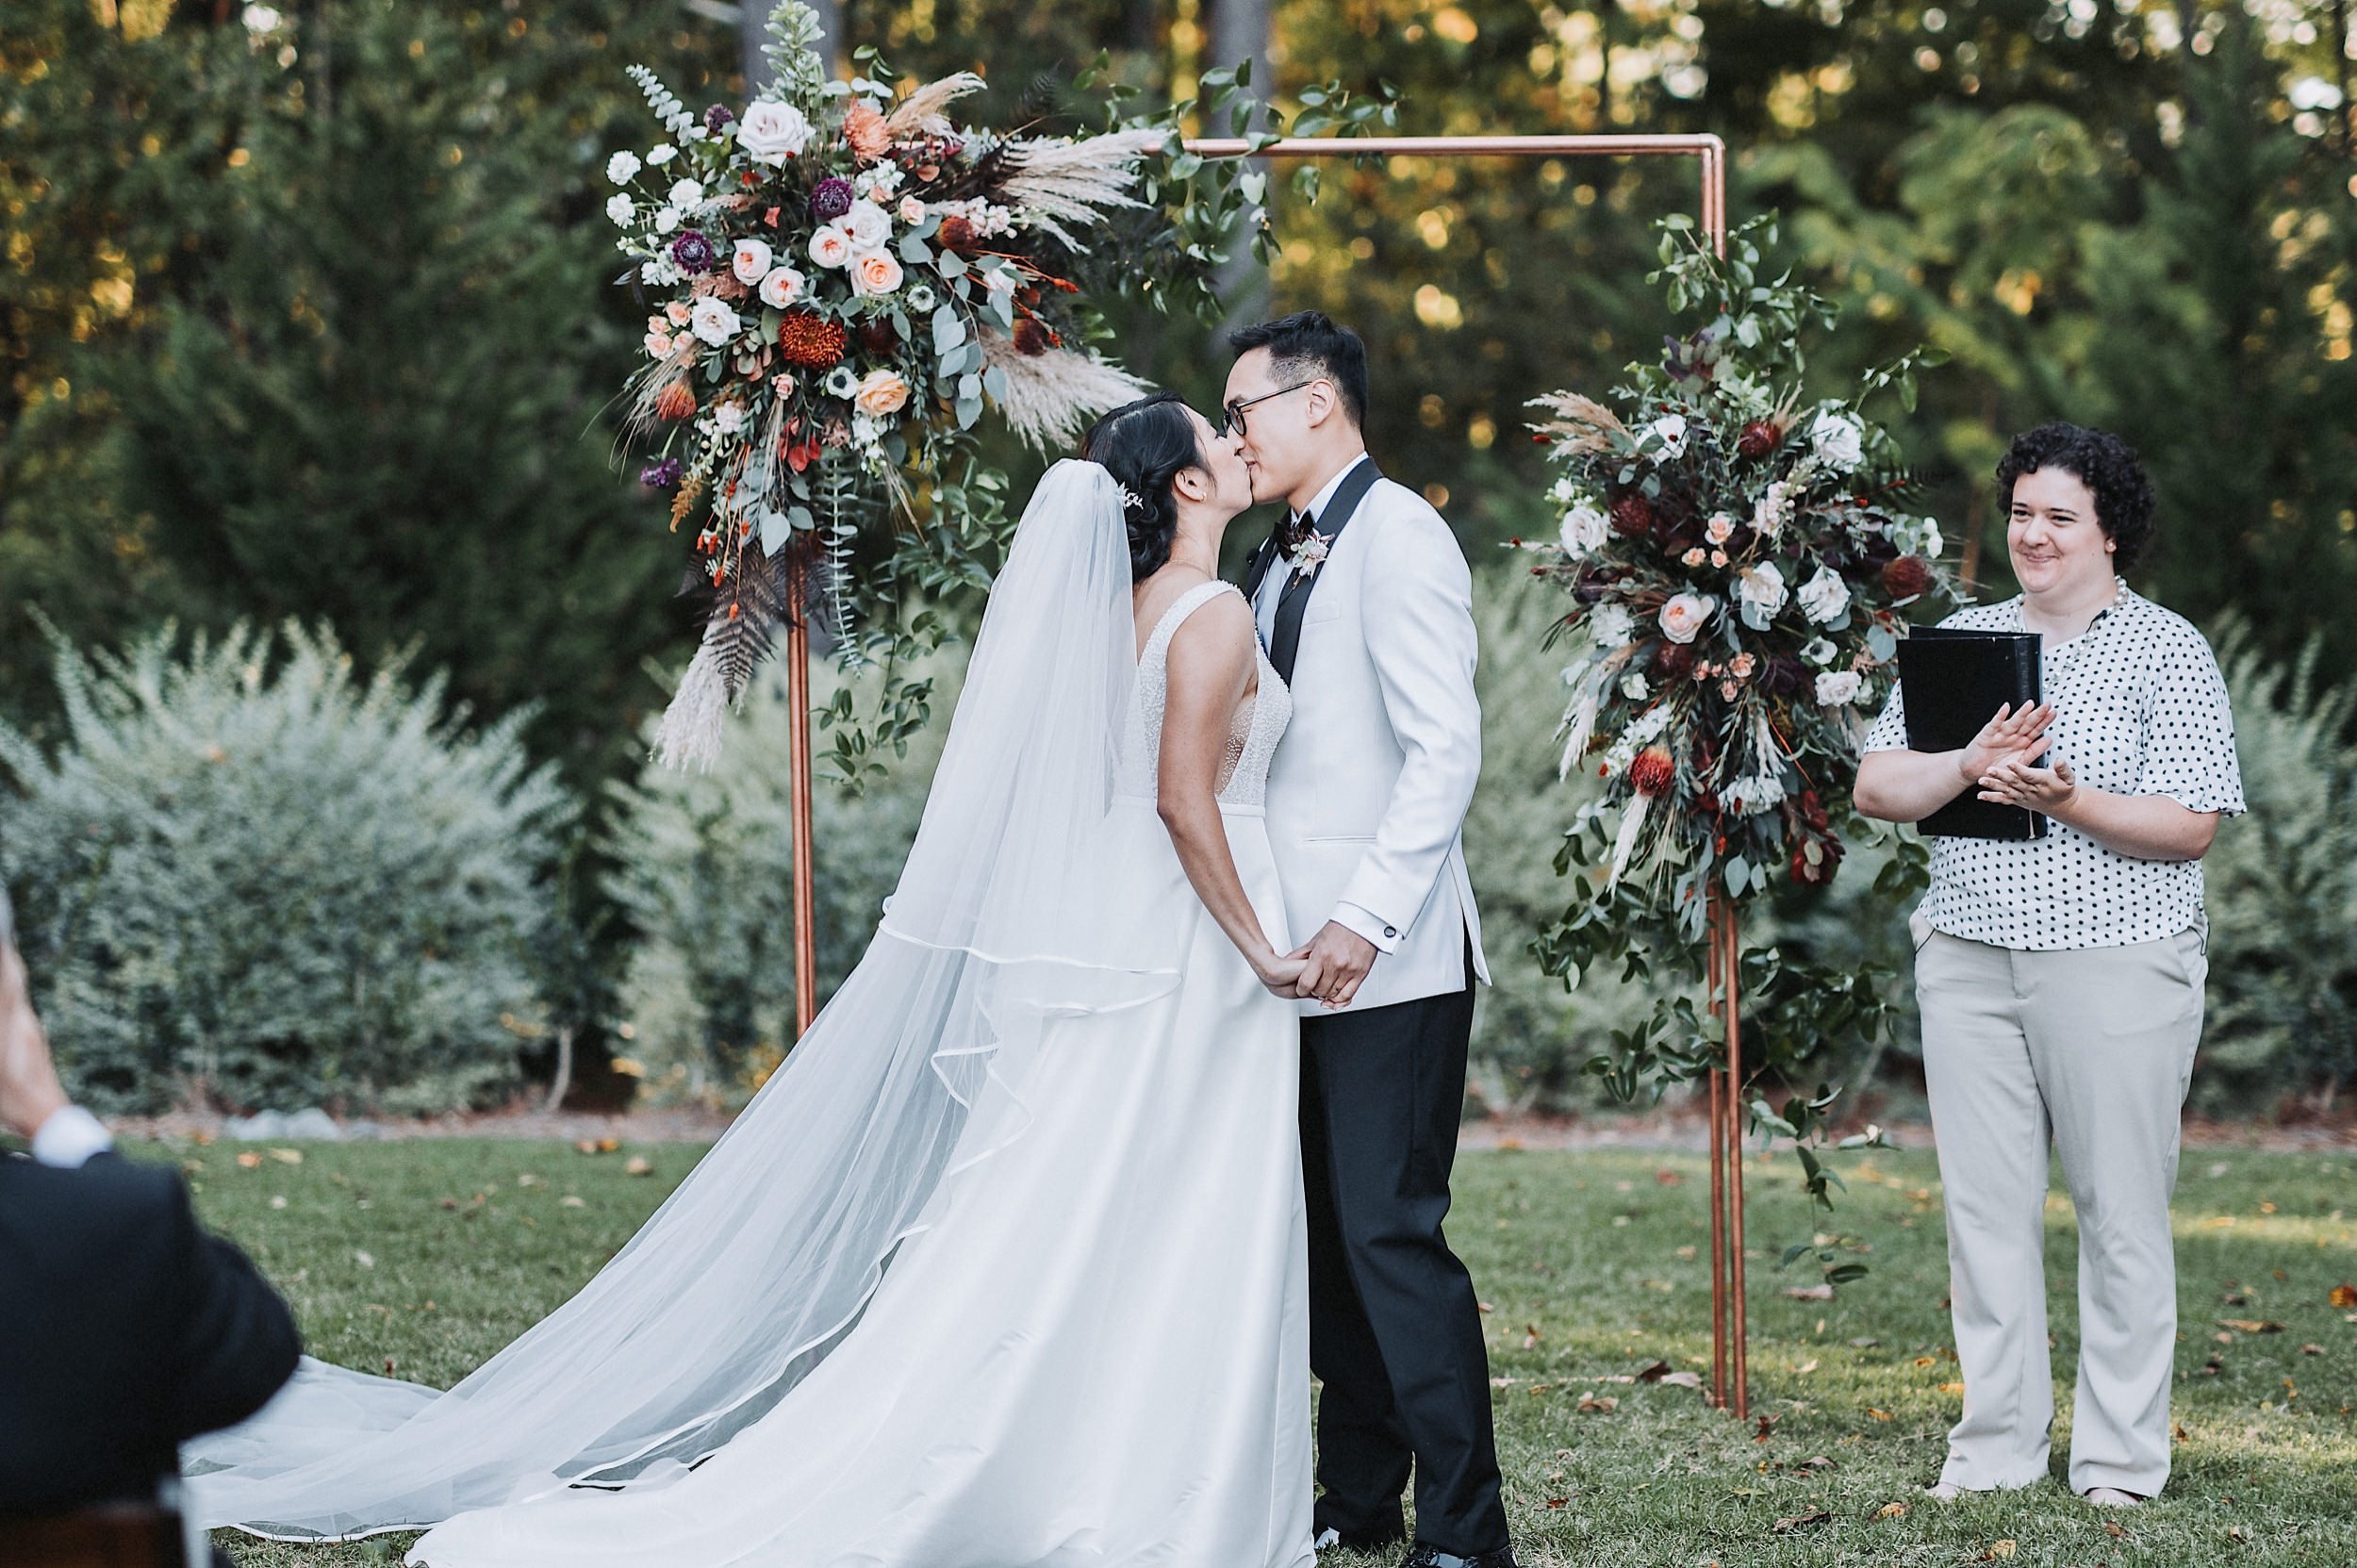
pixel 1422 1556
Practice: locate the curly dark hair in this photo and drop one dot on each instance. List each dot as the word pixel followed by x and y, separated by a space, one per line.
pixel 1145 445
pixel 2106 465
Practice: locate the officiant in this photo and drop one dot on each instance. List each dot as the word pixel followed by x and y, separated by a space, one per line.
pixel 2060 977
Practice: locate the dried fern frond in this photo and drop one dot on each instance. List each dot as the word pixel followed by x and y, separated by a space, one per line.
pixel 1581 423
pixel 641 416
pixel 1052 398
pixel 919 113
pixel 1054 181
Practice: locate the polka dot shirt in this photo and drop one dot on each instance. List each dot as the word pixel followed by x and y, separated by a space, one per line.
pixel 2139 709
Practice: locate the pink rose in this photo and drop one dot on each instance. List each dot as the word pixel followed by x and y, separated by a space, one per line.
pixel 750 260
pixel 780 288
pixel 1685 614
pixel 830 247
pixel 875 273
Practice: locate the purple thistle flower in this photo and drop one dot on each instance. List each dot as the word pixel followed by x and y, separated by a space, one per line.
pixel 830 198
pixel 662 475
pixel 717 116
pixel 693 252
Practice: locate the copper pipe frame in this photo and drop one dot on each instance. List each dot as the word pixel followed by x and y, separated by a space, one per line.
pixel 805 879
pixel 1726 1143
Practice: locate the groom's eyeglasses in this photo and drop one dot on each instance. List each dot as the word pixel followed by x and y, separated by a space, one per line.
pixel 1231 417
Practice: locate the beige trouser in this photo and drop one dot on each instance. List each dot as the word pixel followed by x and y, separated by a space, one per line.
pixel 2094 1047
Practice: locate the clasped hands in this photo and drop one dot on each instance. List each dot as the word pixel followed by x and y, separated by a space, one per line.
pixel 2000 760
pixel 1328 968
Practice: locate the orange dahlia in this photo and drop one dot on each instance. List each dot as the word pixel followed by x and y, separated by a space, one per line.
pixel 675 402
pixel 811 342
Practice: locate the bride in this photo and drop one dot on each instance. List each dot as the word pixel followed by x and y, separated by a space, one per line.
pixel 1005 1267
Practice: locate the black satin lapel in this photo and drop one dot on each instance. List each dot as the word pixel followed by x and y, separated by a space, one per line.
pixel 1286 642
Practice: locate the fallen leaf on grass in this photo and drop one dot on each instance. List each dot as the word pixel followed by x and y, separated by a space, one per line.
pixel 1803 1522
pixel 2212 1367
pixel 1599 1404
pixel 287 1156
pixel 1997 1549
pixel 1668 1178
pixel 2251 1325
pixel 1951 1388
pixel 2344 1295
pixel 1504 1382
pixel 572 1201
pixel 1682 1379
pixel 1654 1373
pixel 638 1167
pixel 1817 1462
pixel 388 1366
pixel 1531 1336
pixel 2179 1432
pixel 249 1161
pixel 2312 1349
pixel 2113 1528
pixel 596 1146
pixel 1810 1293
pixel 1879 1415
pixel 1891 1511
pixel 1767 1426
pixel 1925 1361
pixel 1805 1368
pixel 1558 1502
pixel 1864 1344
pixel 364 1260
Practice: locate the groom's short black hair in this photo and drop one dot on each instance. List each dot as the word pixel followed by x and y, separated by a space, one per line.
pixel 1312 343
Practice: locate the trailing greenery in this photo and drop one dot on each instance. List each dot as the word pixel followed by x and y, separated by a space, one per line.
pixel 248 876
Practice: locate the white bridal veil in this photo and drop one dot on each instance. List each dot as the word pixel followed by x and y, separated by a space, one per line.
pixel 764 1258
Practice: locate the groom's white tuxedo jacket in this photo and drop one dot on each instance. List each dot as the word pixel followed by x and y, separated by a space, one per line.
pixel 1368 791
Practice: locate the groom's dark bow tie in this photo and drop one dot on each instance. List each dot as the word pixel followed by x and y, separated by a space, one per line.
pixel 1296 528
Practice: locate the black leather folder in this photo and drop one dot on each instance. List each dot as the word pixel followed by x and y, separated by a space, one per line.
pixel 1955 680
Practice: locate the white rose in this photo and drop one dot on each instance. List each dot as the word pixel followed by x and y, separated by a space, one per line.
pixel 867 224
pixel 660 272
pixel 1762 587
pixel 830 247
pixel 1685 615
pixel 621 209
pixel 1584 529
pixel 665 221
pixel 750 261
pixel 773 132
pixel 1634 686
pixel 1824 597
pixel 912 209
pixel 661 155
pixel 729 419
pixel 1836 687
pixel 1612 626
pixel 1670 430
pixel 622 167
pixel 687 193
pixel 711 320
pixel 780 288
pixel 1840 444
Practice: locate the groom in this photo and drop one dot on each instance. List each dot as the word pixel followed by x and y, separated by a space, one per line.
pixel 1365 606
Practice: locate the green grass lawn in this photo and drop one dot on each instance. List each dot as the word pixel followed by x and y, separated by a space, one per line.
pixel 431 1255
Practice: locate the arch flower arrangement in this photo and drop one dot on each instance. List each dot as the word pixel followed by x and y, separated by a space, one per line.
pixel 846 279
pixel 1740 567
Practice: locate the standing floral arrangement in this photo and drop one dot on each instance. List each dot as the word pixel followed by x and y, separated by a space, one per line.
pixel 1741 571
pixel 850 279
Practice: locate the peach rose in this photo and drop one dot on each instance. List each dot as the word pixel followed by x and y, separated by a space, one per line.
pixel 875 273
pixel 1684 615
pixel 880 393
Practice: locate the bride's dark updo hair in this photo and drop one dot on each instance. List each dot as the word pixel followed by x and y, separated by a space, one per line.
pixel 1145 445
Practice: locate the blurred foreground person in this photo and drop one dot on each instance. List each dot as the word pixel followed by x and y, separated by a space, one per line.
pixel 124 1328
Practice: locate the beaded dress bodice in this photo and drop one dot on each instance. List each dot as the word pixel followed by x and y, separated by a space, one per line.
pixel 1260 719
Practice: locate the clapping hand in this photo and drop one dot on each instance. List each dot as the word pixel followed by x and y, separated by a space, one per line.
pixel 2009 737
pixel 2015 783
pixel 29 1091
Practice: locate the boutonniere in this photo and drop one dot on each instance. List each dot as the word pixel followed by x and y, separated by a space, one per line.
pixel 1309 554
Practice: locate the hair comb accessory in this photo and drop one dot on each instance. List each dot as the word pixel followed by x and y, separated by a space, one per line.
pixel 1131 498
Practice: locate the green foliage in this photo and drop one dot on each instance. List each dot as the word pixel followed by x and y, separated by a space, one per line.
pixel 249 875
pixel 704 871
pixel 2283 889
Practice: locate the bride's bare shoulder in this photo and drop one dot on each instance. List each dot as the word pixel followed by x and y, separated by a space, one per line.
pixel 1218 632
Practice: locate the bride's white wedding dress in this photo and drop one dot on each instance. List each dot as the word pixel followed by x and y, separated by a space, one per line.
pixel 1005 1268
pixel 1098 1353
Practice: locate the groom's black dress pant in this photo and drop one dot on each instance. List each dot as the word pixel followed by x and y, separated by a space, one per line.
pixel 1394 1328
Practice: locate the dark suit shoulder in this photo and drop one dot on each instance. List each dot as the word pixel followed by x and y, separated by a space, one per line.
pixel 108 1200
